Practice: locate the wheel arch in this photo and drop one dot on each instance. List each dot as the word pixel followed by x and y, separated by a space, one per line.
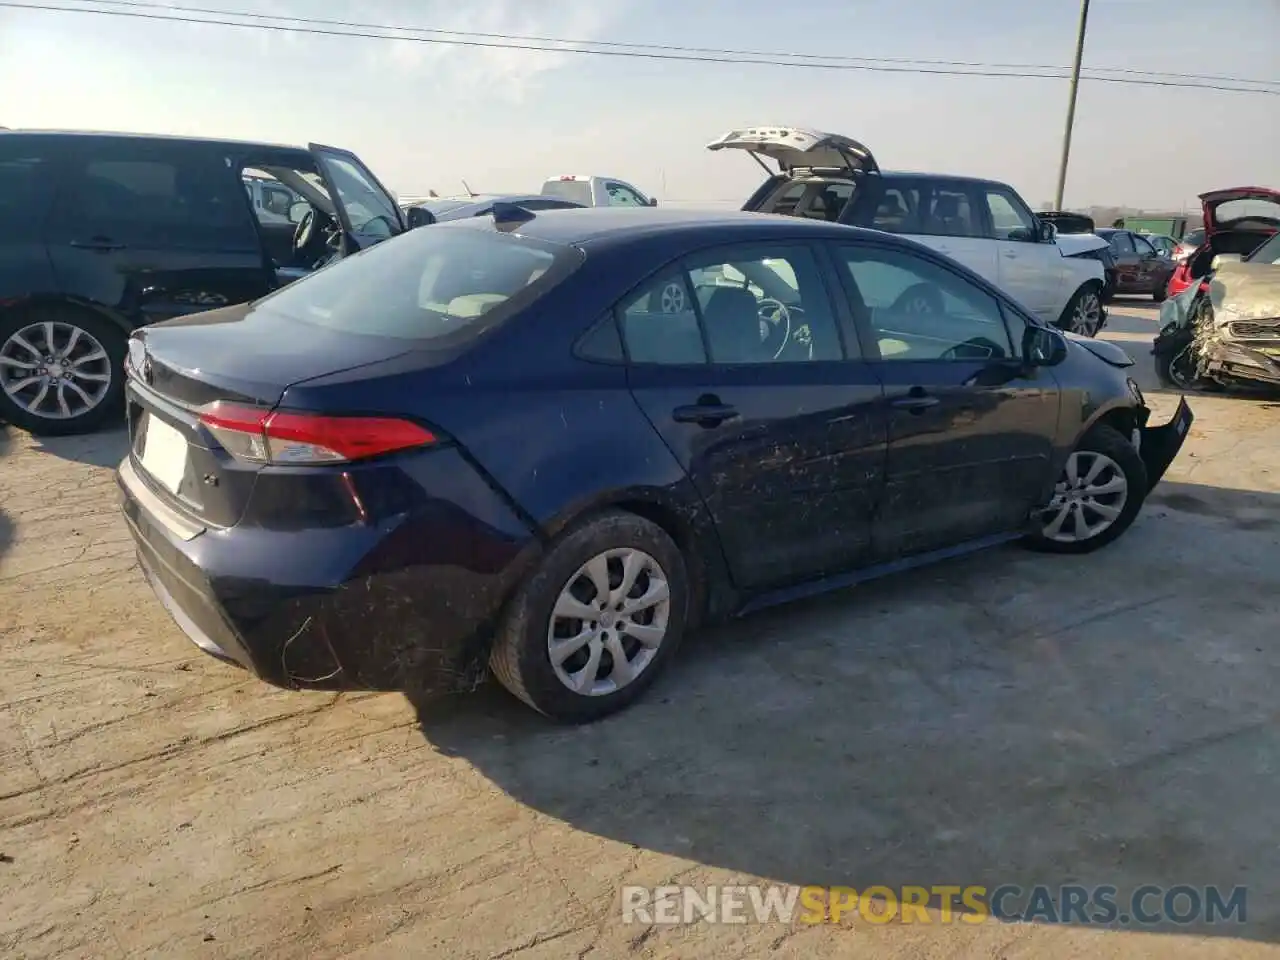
pixel 687 523
pixel 1098 286
pixel 1119 415
pixel 35 301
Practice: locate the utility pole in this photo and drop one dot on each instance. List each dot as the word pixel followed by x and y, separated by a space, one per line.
pixel 1071 104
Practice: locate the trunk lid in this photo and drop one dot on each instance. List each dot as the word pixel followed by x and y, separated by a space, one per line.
pixel 243 355
pixel 1254 209
pixel 793 148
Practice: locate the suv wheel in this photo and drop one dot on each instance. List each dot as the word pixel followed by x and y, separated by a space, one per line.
pixel 61 370
pixel 597 620
pixel 1083 315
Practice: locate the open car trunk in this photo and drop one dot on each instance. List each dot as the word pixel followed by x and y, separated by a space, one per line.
pixel 796 152
pixel 1237 220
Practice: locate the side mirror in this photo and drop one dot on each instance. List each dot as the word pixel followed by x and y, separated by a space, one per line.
pixel 1048 232
pixel 420 217
pixel 297 210
pixel 1042 347
pixel 653 202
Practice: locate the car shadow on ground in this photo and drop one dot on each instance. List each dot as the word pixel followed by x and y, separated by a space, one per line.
pixel 1009 718
pixel 105 448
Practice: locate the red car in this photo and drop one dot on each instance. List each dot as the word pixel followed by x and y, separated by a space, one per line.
pixel 1236 220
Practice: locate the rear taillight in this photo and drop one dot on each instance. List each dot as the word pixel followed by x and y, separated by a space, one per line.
pixel 257 434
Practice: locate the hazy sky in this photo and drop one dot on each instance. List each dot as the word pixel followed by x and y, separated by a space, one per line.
pixel 424 116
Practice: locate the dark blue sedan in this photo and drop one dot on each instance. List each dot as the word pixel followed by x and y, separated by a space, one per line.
pixel 554 443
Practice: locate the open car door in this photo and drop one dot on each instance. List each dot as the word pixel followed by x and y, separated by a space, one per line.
pixel 366 209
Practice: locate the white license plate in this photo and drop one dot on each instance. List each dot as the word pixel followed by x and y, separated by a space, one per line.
pixel 164 453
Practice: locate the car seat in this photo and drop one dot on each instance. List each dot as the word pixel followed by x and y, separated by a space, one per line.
pixel 946 217
pixel 732 319
pixel 891 213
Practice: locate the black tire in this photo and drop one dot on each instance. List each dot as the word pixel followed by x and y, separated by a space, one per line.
pixel 113 341
pixel 1106 440
pixel 520 658
pixel 1091 289
pixel 1159 294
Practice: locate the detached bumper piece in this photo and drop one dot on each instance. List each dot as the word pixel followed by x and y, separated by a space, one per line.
pixel 1159 445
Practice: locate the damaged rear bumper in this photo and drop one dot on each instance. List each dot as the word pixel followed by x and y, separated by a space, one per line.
pixel 409 605
pixel 1159 445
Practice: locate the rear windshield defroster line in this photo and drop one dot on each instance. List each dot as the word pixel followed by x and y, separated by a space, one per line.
pixel 438 283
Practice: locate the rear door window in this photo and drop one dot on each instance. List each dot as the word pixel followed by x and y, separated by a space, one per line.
pixel 660 324
pixel 951 212
pixel 1121 243
pixel 27 185
pixel 154 194
pixel 898 210
pixel 446 283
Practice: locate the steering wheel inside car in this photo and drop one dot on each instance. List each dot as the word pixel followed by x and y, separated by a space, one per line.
pixel 775 323
pixel 302 233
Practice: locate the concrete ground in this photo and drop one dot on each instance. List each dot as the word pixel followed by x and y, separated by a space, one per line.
pixel 1010 718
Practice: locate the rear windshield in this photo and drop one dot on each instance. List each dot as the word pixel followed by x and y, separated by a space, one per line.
pixel 428 284
pixel 1246 208
pixel 579 191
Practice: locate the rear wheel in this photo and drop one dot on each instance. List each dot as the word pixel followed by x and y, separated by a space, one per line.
pixel 61 370
pixel 596 622
pixel 1083 313
pixel 1097 497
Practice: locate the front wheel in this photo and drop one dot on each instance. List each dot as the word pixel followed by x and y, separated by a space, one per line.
pixel 596 622
pixel 1083 314
pixel 1097 497
pixel 61 370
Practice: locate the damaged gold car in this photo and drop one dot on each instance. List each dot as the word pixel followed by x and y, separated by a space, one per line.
pixel 1225 330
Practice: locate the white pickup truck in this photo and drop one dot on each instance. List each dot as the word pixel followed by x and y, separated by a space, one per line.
pixel 596 191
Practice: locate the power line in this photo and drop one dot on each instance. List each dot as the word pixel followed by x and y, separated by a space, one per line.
pixel 672 48
pixel 545 47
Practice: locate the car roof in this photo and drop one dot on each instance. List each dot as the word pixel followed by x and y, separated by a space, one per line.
pixel 608 226
pixel 163 137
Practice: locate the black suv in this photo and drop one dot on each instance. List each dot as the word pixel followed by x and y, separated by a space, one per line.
pixel 103 233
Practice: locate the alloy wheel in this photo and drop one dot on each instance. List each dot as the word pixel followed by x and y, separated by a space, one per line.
pixel 608 622
pixel 1088 498
pixel 54 370
pixel 1086 317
